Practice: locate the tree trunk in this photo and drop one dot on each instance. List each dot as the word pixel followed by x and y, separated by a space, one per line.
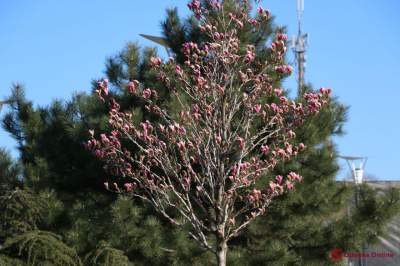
pixel 222 249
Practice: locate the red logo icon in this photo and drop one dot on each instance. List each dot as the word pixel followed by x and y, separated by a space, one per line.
pixel 336 254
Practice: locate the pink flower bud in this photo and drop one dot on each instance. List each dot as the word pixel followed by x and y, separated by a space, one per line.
pixel 291 134
pixel 181 145
pixel 155 61
pixel 221 89
pixel 272 186
pixel 240 140
pixel 257 108
pixel 281 153
pixel 292 176
pixel 254 22
pixel 302 146
pixel 325 91
pixel 218 139
pixel 132 86
pixel 129 186
pixel 284 69
pixel 264 149
pixel 178 70
pixel 278 179
pixel 217 35
pixel 278 92
pixel 289 185
pixel 147 93
pixel 250 56
pixel 281 37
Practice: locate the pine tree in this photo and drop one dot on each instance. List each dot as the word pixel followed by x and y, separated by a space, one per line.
pixel 20 211
pixel 104 255
pixel 41 248
pixel 79 208
pixel 9 173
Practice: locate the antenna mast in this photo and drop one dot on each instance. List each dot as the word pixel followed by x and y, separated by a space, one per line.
pixel 299 44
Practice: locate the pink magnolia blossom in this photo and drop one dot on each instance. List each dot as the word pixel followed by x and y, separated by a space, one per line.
pixel 240 140
pixel 278 179
pixel 325 91
pixel 250 55
pixel 195 6
pixel 147 93
pixel 128 186
pixel 278 92
pixel 281 36
pixel 218 138
pixel 181 145
pixel 291 134
pixel 292 176
pixel 254 22
pixel 257 108
pixel 264 149
pixel 132 86
pixel 155 61
pixel 284 69
pixel 272 186
pixel 289 185
pixel 263 13
pixel 302 146
pixel 178 70
pixel 255 195
pixel 281 153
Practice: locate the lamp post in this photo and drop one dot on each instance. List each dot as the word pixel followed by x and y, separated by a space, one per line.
pixel 158 40
pixel 357 166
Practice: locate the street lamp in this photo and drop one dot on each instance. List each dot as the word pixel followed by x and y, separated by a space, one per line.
pixel 357 166
pixel 158 40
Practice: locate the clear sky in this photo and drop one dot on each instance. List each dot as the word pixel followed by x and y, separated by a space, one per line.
pixel 55 48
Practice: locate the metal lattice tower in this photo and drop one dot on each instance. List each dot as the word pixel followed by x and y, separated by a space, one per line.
pixel 299 44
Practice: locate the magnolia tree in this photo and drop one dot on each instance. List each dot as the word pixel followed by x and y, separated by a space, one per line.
pixel 199 166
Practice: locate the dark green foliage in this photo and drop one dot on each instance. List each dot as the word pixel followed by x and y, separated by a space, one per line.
pixel 105 255
pixel 135 232
pixel 85 223
pixel 9 173
pixel 50 141
pixel 147 240
pixel 9 261
pixel 41 248
pixel 20 211
pixel 379 209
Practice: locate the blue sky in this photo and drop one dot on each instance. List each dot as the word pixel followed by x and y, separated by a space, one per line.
pixel 56 47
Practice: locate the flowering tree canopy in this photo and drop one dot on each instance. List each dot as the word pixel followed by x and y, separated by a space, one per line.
pixel 233 127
